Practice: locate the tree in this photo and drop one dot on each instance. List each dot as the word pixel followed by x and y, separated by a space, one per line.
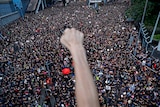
pixel 135 11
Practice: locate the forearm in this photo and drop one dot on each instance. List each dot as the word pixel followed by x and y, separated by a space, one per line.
pixel 86 92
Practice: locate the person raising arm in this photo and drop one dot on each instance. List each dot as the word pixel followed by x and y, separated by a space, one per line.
pixel 86 92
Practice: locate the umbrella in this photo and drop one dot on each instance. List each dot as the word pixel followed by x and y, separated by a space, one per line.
pixel 66 71
pixel 49 80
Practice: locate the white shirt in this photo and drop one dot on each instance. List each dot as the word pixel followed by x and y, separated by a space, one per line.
pixel 108 87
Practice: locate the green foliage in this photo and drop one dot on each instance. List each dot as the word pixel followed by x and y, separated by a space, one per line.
pixel 150 21
pixel 137 8
pixel 156 37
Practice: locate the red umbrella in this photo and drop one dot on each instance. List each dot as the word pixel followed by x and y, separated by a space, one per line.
pixel 49 80
pixel 66 71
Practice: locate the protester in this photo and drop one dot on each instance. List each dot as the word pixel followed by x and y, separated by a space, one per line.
pixel 32 59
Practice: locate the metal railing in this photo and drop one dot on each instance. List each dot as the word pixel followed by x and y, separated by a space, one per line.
pixel 145 65
pixel 134 56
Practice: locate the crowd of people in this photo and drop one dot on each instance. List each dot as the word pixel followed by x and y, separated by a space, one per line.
pixel 32 59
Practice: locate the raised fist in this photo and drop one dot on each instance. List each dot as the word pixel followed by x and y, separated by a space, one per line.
pixel 72 38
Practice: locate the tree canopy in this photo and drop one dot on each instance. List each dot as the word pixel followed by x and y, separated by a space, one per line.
pixel 136 9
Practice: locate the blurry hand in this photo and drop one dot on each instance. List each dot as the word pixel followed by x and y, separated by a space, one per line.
pixel 86 93
pixel 72 38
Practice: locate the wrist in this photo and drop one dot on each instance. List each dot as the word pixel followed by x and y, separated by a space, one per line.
pixel 76 49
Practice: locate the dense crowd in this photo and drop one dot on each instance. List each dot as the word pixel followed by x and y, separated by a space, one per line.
pixel 32 59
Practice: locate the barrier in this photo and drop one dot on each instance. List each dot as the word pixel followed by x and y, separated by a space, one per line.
pixel 5 1
pixel 145 65
pixel 34 5
pixel 18 5
pixel 10 10
pixel 95 2
pixel 5 19
pixel 134 56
